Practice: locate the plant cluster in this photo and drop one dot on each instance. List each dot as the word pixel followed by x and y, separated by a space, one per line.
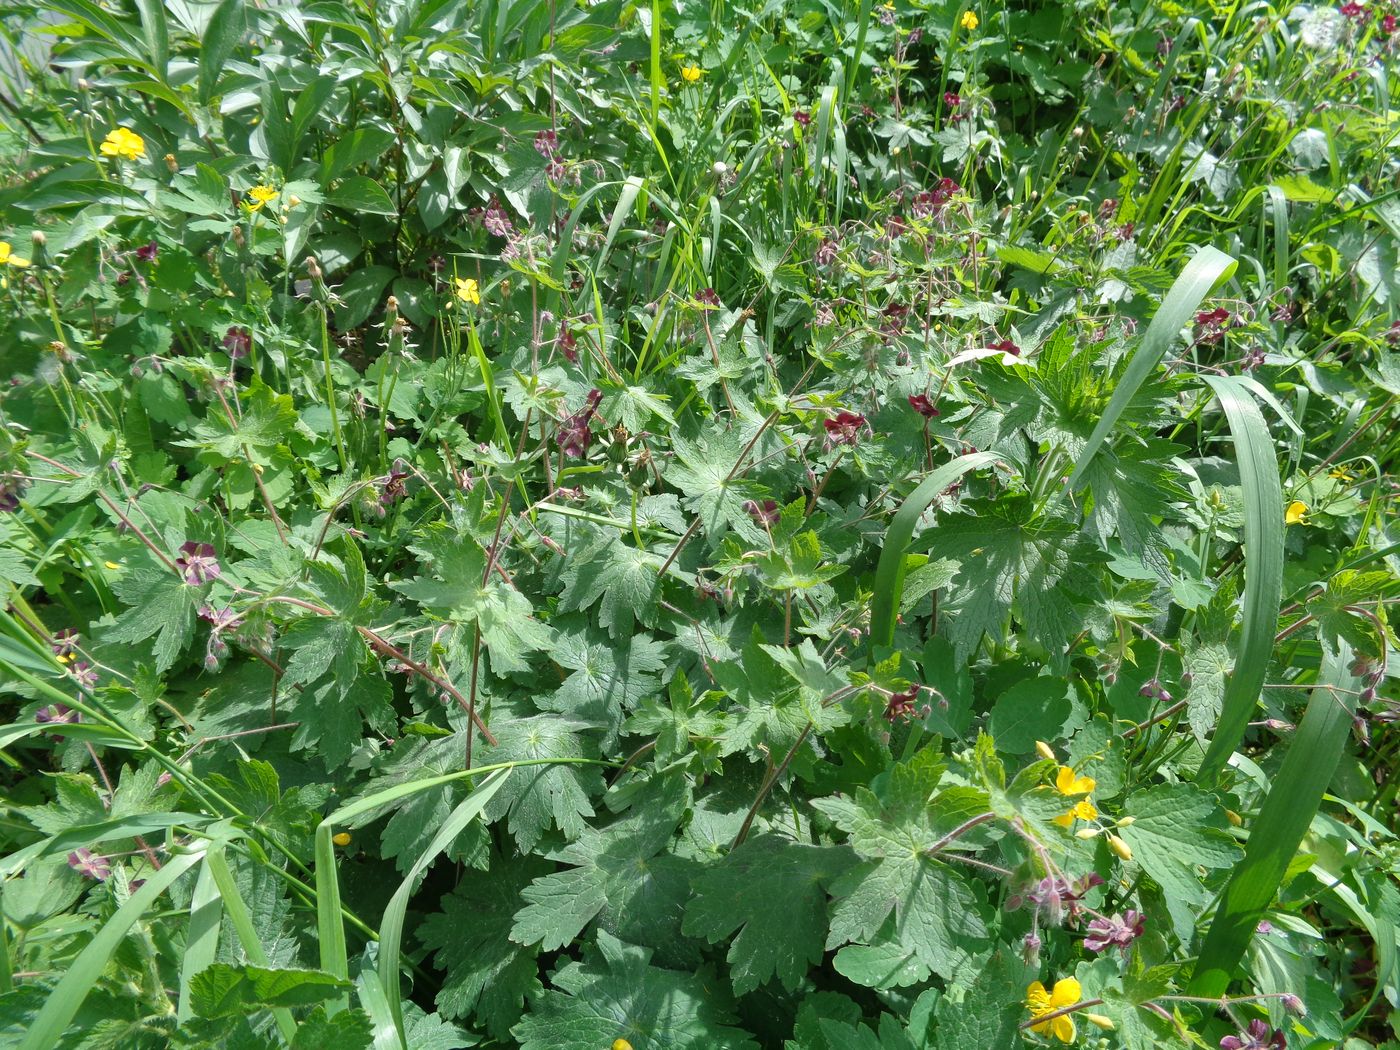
pixel 573 525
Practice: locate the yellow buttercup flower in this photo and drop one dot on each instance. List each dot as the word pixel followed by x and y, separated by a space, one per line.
pixel 468 290
pixel 9 258
pixel 123 143
pixel 691 73
pixel 1341 474
pixel 1296 514
pixel 1066 783
pixel 261 195
pixel 969 21
pixel 1040 1002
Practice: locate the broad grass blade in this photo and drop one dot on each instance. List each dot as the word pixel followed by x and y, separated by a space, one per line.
pixel 889 574
pixel 1263 567
pixel 1205 270
pixel 1293 798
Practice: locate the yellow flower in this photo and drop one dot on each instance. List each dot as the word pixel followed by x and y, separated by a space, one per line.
pixel 8 258
pixel 123 143
pixel 1066 783
pixel 468 290
pixel 691 73
pixel 342 839
pixel 969 21
pixel 1040 1002
pixel 621 1044
pixel 1342 474
pixel 1296 514
pixel 261 195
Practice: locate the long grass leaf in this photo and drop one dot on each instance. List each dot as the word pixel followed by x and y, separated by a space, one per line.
pixel 201 935
pixel 391 928
pixel 68 995
pixel 1293 798
pixel 1205 270
pixel 889 574
pixel 1263 567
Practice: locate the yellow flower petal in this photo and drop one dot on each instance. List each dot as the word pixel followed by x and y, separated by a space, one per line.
pixel 1063 1028
pixel 969 21
pixel 1296 513
pixel 691 73
pixel 123 143
pixel 1066 783
pixel 341 839
pixel 1066 993
pixel 468 290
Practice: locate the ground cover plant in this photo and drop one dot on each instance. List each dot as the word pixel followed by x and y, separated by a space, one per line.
pixel 797 524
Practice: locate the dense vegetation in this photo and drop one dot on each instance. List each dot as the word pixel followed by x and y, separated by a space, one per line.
pixel 811 525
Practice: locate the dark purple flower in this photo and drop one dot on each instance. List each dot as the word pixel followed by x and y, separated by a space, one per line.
pixel 1210 325
pixel 766 513
pixel 84 674
pixel 85 862
pixel 902 706
pixel 895 315
pixel 707 297
pixel 1388 24
pixel 495 219
pixel 1257 1036
pixel 844 429
pixel 1006 346
pixel 567 345
pixel 198 563
pixel 1118 930
pixel 393 488
pixel 1392 334
pixel 952 99
pixel 801 117
pixel 55 713
pixel 238 341
pixel 11 489
pixel 546 143
pixel 574 433
pixel 825 254
pixel 147 252
pixel 1152 689
pixel 65 642
pixel 219 619
pixel 921 404
pixel 1055 898
pixel 1352 9
pixel 896 227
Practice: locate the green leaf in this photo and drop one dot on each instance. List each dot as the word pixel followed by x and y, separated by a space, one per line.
pixel 488 976
pixel 770 890
pixel 608 680
pixel 230 991
pixel 1031 710
pixel 361 194
pixel 614 993
pixel 546 796
pixel 1179 835
pixel 222 35
pixel 162 604
pixel 615 873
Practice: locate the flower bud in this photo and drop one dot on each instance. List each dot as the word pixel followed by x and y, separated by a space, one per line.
pixel 1234 818
pixel 1106 1023
pixel 1125 822
pixel 1120 847
pixel 341 839
pixel 1293 1004
pixel 1045 751
pixel 1086 833
pixel 171 163
pixel 39 256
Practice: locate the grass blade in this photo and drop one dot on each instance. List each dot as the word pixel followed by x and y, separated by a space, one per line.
pixel 202 936
pixel 1263 567
pixel 67 997
pixel 1205 270
pixel 889 574
pixel 1287 812
pixel 391 928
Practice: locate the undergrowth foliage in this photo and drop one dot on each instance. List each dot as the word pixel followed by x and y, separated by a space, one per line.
pixel 559 525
